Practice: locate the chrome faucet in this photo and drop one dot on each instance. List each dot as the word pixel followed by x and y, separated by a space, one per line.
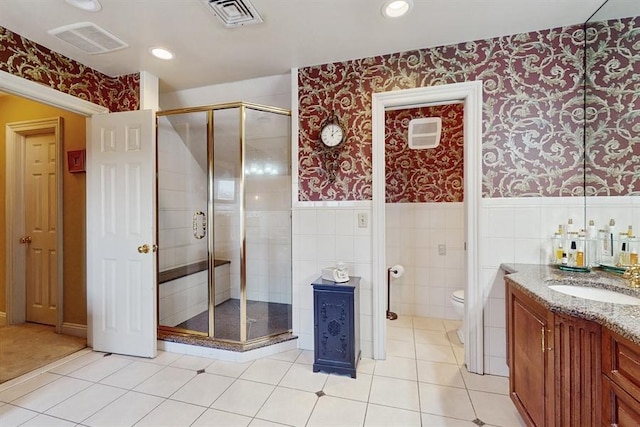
pixel 633 275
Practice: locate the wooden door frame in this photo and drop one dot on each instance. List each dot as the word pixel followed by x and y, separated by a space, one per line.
pixel 16 137
pixel 471 94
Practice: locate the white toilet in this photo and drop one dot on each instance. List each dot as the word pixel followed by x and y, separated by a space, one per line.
pixel 457 300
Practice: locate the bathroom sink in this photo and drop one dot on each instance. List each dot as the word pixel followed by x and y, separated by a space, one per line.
pixel 596 294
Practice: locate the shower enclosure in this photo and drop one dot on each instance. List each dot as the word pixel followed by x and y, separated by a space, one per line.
pixel 224 222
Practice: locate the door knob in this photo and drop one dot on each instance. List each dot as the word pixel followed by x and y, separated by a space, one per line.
pixel 24 240
pixel 144 249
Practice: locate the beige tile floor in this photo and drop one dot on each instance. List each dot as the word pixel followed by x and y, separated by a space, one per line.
pixel 421 383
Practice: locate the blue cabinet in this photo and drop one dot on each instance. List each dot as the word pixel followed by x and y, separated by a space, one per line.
pixel 336 326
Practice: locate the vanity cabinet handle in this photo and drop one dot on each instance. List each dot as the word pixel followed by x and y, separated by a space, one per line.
pixel 543 334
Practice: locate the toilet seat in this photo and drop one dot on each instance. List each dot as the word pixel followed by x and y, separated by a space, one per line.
pixel 458 295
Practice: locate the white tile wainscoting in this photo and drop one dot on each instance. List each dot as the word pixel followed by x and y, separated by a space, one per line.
pixel 513 230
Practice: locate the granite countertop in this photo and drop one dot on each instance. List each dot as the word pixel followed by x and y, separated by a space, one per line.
pixel 534 280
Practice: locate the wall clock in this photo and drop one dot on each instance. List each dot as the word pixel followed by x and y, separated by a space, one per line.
pixel 332 133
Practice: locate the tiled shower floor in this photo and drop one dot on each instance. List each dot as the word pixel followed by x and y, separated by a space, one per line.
pixel 263 319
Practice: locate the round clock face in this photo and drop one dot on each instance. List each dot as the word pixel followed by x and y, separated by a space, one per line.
pixel 331 135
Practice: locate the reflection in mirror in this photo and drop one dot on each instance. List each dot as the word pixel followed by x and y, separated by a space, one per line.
pixel 612 145
pixel 612 114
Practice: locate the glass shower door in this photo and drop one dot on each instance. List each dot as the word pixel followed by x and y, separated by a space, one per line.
pixel 183 223
pixel 267 214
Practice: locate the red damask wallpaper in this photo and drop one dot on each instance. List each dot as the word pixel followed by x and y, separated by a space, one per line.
pixel 533 112
pixel 433 175
pixel 29 60
pixel 613 108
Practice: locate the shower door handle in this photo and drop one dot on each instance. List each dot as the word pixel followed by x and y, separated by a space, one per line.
pixel 199 231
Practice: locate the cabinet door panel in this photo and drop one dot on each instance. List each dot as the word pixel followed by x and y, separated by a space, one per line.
pixel 334 317
pixel 619 408
pixel 621 361
pixel 528 361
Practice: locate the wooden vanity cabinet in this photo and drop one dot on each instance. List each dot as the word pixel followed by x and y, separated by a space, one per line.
pixel 554 363
pixel 620 381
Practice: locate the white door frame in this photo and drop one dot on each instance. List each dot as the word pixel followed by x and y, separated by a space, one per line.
pixel 16 134
pixel 471 94
pixel 22 87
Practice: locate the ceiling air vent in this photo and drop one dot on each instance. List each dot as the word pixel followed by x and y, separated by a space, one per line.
pixel 235 13
pixel 425 133
pixel 88 37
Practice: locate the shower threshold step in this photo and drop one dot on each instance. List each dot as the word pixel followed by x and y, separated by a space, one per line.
pixel 202 341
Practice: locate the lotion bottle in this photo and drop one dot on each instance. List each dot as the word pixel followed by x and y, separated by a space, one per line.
pixel 558 248
pixel 580 250
pixel 633 250
pixel 622 257
pixel 591 244
pixel 609 244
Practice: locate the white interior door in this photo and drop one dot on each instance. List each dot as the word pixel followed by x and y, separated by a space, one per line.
pixel 121 256
pixel 41 223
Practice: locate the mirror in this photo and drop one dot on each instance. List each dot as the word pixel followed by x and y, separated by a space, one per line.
pixel 612 110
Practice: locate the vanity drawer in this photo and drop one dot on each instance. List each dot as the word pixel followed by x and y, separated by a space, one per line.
pixel 621 362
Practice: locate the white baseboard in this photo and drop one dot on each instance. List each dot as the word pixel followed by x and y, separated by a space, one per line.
pixel 74 329
pixel 3 318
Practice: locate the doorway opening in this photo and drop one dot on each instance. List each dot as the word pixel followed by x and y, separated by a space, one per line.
pixel 470 94
pixel 25 344
pixel 424 215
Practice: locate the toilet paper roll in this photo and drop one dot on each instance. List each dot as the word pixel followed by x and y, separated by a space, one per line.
pixel 397 271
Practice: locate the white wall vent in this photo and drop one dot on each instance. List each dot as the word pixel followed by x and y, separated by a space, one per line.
pixel 88 37
pixel 235 13
pixel 425 133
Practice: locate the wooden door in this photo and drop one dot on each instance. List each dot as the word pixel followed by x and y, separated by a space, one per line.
pixel 121 257
pixel 41 223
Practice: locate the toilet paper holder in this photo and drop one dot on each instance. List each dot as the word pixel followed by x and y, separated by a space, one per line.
pixel 395 272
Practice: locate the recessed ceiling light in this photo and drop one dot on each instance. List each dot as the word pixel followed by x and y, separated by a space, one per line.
pixel 162 53
pixel 396 8
pixel 88 5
